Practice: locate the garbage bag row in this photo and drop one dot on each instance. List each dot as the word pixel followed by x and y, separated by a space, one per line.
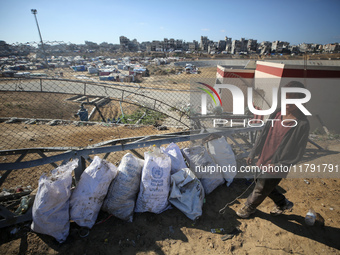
pixel 148 185
pixel 54 205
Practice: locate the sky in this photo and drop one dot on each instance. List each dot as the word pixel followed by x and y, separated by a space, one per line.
pixel 294 21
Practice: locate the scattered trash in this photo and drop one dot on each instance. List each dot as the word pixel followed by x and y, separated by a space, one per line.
pixel 331 208
pixel 24 205
pixel 31 121
pixel 162 128
pixel 12 120
pixel 231 234
pixel 4 193
pixel 14 231
pixel 306 181
pixel 53 123
pixel 217 230
pixel 310 217
pixel 19 190
pixel 84 232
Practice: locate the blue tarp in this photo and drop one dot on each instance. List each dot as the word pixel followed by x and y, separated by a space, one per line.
pixel 78 68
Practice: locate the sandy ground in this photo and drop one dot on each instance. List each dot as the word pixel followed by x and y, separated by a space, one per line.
pixel 171 232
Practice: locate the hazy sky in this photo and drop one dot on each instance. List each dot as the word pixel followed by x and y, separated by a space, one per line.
pixel 295 21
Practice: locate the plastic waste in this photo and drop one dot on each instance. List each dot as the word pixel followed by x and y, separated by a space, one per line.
pixel 231 234
pixel 310 217
pixel 217 230
pixel 24 204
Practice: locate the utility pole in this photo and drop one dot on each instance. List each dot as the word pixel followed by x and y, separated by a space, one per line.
pixel 34 12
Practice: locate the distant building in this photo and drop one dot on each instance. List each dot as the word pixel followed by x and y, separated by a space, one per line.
pixel 294 49
pixel 179 44
pixel 124 41
pixel 239 46
pixel 204 43
pixel 156 46
pixel 306 47
pixel 279 47
pixel 265 47
pixel 192 46
pixel 332 47
pixel 252 46
pixel 228 44
pixel 221 45
pixel 127 45
pixel 169 44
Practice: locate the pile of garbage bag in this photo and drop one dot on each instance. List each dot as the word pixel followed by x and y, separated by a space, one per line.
pixel 166 177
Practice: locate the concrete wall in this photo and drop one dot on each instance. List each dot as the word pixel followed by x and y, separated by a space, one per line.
pixel 209 63
pixel 237 77
pixel 265 82
pixel 240 63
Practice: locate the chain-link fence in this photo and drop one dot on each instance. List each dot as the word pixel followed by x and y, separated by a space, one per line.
pixel 80 102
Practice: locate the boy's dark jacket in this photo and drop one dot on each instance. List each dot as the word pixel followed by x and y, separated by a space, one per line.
pixel 292 146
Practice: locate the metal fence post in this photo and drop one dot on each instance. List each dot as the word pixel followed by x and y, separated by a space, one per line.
pixel 80 168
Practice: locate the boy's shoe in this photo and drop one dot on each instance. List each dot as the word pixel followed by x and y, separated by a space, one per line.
pixel 278 210
pixel 245 212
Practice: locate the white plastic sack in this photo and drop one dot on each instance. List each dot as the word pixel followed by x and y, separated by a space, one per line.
pixel 187 193
pixel 223 155
pixel 50 210
pixel 204 167
pixel 122 194
pixel 155 183
pixel 175 154
pixel 88 196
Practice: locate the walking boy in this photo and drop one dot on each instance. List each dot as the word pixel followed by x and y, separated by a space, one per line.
pixel 277 146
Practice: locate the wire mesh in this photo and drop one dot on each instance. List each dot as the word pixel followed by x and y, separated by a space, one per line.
pixel 81 102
